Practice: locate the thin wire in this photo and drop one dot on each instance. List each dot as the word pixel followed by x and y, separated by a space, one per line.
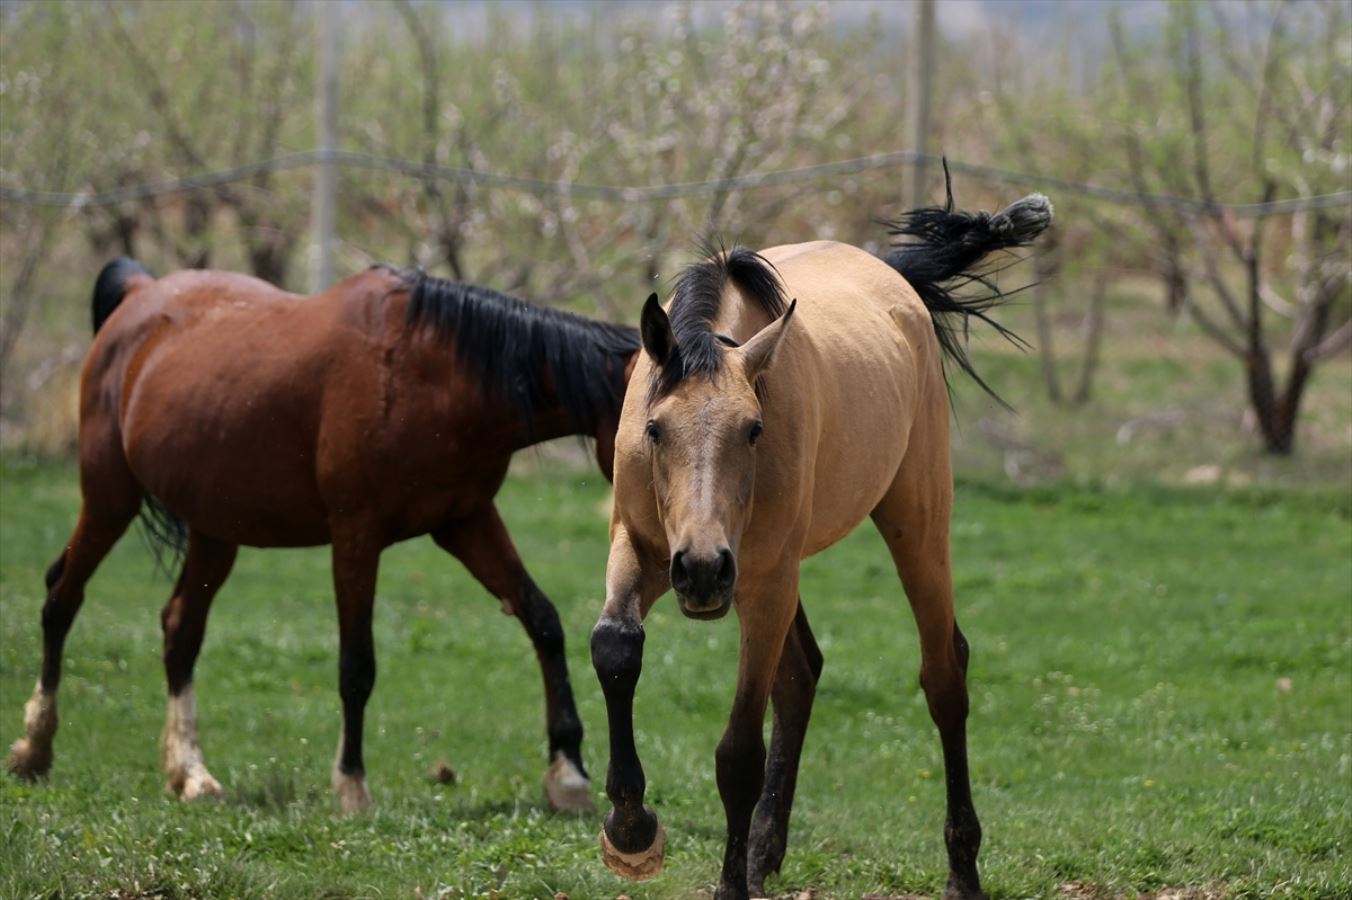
pixel 428 171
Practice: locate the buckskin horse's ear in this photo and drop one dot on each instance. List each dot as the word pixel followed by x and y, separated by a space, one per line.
pixel 758 352
pixel 655 328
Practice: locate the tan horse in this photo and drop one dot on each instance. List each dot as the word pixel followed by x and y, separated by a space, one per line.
pixel 384 408
pixel 767 432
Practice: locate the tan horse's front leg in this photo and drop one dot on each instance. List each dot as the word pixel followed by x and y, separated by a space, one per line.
pixel 632 838
pixel 764 611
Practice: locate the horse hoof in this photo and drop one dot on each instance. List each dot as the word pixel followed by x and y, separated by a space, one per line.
pixel 635 866
pixel 352 794
pixel 203 787
pixel 566 788
pixel 28 762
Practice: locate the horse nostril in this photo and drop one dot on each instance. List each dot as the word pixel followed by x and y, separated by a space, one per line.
pixel 679 576
pixel 703 578
pixel 727 568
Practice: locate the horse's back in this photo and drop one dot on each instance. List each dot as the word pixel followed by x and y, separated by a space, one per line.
pixel 853 292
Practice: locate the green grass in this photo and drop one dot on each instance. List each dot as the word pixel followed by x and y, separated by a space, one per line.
pixel 1128 729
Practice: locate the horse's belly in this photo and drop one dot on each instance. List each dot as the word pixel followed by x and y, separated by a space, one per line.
pixel 867 412
pixel 840 504
pixel 241 498
pixel 234 470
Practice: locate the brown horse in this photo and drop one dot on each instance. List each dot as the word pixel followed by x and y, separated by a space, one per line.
pixel 730 470
pixel 382 409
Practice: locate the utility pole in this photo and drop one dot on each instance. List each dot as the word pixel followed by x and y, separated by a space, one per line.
pixel 326 176
pixel 919 86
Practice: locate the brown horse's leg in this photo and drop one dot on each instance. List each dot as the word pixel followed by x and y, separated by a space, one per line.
pixel 184 621
pixel 914 520
pixel 632 840
pixel 110 505
pixel 483 545
pixel 356 557
pixel 795 687
pixel 766 614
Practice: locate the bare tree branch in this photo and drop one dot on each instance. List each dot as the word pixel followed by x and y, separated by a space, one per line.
pixel 1093 338
pixel 1214 274
pixel 1214 331
pixel 1338 341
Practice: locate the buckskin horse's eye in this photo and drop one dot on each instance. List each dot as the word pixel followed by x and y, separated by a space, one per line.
pixel 756 430
pixel 654 433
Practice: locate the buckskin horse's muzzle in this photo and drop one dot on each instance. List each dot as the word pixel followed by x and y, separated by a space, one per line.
pixel 704 583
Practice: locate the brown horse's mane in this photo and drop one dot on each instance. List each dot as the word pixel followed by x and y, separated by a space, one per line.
pixel 515 349
pixel 695 305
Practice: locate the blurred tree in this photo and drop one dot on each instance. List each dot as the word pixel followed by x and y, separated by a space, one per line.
pixel 44 90
pixel 221 82
pixel 1252 98
pixel 1293 79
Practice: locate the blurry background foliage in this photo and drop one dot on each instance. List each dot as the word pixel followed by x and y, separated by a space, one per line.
pixel 1182 344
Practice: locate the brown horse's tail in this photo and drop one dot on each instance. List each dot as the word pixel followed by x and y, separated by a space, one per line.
pixel 111 286
pixel 165 532
pixel 940 252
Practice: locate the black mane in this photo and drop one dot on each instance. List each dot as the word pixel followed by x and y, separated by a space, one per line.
pixel 511 346
pixel 698 296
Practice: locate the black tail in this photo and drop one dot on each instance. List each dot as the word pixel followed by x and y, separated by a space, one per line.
pixel 165 533
pixel 111 287
pixel 944 255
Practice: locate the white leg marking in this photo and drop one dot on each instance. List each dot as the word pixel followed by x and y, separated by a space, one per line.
pixel 183 766
pixel 30 757
pixel 566 788
pixel 353 797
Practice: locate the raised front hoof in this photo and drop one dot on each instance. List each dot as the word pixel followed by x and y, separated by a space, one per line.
pixel 566 788
pixel 635 866
pixel 351 793
pixel 28 761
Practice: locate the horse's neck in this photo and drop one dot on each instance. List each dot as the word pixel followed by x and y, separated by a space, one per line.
pixel 549 422
pixel 556 422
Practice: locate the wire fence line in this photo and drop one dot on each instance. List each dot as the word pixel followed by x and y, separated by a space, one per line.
pixel 428 171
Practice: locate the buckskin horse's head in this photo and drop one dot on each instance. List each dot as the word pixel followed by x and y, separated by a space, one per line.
pixel 701 436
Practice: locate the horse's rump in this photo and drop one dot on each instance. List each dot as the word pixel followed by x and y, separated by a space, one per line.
pixel 217 384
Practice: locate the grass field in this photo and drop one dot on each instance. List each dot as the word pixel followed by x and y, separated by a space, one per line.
pixel 1161 683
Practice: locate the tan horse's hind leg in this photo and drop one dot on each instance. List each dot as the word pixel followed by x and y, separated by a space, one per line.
pixel 795 687
pixel 914 520
pixel 111 499
pixel 184 620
